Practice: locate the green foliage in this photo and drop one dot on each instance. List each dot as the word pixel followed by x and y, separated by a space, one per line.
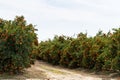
pixel 101 52
pixel 17 41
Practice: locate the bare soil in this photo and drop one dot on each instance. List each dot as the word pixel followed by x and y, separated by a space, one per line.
pixel 44 71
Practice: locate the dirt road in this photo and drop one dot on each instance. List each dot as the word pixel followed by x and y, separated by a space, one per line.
pixel 60 73
pixel 44 71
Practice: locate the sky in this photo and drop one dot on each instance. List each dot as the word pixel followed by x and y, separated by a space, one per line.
pixel 64 17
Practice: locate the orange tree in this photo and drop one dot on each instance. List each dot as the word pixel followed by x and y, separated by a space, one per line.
pixel 100 52
pixel 17 42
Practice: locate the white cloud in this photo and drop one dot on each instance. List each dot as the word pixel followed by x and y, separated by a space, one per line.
pixel 95 12
pixel 64 16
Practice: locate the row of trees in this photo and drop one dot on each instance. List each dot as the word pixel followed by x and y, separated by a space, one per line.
pixel 101 52
pixel 18 42
pixel 19 46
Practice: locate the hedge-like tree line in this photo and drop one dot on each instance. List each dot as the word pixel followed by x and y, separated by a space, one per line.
pixel 19 46
pixel 101 52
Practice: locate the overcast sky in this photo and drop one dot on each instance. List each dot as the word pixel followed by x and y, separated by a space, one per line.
pixel 67 17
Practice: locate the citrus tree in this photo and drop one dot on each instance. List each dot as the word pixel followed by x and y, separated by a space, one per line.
pixel 100 52
pixel 17 44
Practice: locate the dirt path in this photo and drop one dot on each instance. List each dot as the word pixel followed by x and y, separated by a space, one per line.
pixel 59 73
pixel 44 71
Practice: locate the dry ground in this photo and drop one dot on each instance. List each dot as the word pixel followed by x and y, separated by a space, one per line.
pixel 44 71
